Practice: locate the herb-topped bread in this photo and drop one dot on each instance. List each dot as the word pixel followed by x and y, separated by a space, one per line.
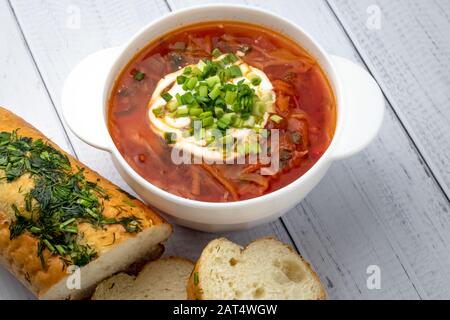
pixel 56 213
pixel 266 269
pixel 163 279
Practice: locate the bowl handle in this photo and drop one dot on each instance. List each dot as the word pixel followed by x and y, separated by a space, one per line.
pixel 82 98
pixel 364 109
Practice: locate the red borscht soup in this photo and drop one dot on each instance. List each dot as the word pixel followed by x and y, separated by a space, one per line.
pixel 206 86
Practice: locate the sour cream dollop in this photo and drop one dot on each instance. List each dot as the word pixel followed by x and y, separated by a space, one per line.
pixel 167 121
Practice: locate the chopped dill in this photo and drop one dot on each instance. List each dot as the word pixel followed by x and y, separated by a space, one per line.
pixel 60 200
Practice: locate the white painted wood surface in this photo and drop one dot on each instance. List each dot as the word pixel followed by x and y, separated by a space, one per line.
pixel 383 207
pixel 409 53
pixel 21 87
pixel 64 49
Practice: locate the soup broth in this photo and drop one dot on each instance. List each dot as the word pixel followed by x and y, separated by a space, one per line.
pixel 304 109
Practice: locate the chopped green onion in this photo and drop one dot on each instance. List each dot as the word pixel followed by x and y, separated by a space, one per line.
pixel 172 105
pixel 182 112
pixel 218 112
pixel 212 81
pixel 139 76
pixel 205 115
pixel 228 117
pixel 233 57
pixel 170 137
pixel 158 112
pixel 230 58
pixel 181 79
pixel 276 118
pixel 206 122
pixel 187 70
pixel 210 139
pixel 226 120
pixel 179 99
pixel 230 97
pixel 194 112
pixel 203 91
pixel 201 65
pixel 235 71
pixel 256 81
pixel 216 53
pixel 237 123
pixel 196 71
pixel 166 96
pixel 187 98
pixel 191 83
pixel 215 92
pixel 222 125
pixel 259 109
pixel 250 122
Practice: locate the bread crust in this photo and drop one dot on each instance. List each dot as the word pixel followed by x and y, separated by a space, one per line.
pixel 20 255
pixel 195 291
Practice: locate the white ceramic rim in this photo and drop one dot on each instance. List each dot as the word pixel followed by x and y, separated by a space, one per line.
pixel 325 63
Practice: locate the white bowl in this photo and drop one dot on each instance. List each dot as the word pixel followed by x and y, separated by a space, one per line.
pixel 360 110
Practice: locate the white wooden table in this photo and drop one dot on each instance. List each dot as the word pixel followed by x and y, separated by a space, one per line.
pixel 388 206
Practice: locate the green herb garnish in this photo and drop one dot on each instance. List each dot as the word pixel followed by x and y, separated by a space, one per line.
pixel 139 76
pixel 195 278
pixel 235 71
pixel 216 53
pixel 170 137
pixel 256 81
pixel 166 96
pixel 211 97
pixel 59 201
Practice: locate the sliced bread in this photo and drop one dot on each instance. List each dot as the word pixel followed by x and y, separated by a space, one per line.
pixel 267 269
pixel 163 279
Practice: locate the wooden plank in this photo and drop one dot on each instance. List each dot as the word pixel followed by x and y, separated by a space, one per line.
pixel 349 218
pixel 62 33
pixel 385 193
pixel 103 24
pixel 23 92
pixel 381 207
pixel 409 56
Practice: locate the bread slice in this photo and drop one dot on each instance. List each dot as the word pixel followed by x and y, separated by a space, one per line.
pixel 267 269
pixel 163 279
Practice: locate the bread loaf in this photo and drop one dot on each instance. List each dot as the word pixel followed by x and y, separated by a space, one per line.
pixel 55 213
